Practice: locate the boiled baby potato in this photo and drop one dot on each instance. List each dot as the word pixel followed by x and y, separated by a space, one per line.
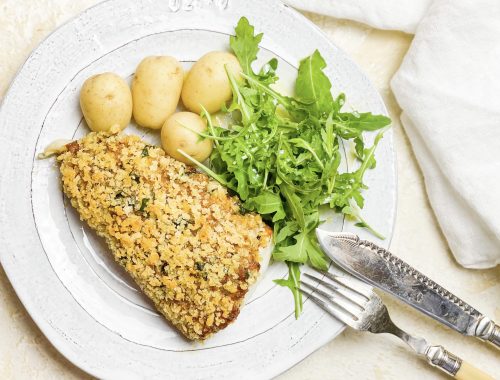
pixel 106 102
pixel 156 89
pixel 207 83
pixel 180 132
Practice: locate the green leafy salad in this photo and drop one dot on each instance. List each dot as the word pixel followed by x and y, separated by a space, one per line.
pixel 282 156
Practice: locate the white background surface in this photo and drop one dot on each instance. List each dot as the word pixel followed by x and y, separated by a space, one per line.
pixel 25 353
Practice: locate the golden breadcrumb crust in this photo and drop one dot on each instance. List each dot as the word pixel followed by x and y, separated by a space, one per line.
pixel 176 231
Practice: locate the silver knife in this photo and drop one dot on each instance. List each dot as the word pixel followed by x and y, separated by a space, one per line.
pixel 380 268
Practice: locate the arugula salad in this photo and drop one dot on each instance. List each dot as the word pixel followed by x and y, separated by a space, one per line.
pixel 282 156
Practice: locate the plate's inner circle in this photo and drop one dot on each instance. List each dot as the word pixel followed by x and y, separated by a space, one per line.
pixel 81 259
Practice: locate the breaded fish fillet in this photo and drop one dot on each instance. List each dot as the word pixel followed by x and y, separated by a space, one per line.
pixel 177 232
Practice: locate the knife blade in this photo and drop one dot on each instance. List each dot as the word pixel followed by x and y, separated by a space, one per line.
pixel 380 268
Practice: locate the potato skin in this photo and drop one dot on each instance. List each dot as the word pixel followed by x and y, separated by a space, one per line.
pixel 156 90
pixel 175 135
pixel 207 83
pixel 106 101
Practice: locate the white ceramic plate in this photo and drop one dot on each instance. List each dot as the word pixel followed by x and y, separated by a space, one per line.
pixel 86 306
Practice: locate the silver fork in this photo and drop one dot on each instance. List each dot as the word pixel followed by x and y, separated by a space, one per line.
pixel 355 304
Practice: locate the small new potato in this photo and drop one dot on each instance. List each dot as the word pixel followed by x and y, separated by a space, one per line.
pixel 106 101
pixel 207 83
pixel 179 132
pixel 156 89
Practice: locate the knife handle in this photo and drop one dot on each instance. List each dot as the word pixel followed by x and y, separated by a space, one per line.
pixel 437 356
pixel 488 331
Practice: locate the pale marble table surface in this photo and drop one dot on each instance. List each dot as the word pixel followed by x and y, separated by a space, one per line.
pixel 26 354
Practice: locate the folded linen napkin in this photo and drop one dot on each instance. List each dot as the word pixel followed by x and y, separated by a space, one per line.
pixel 401 15
pixel 448 87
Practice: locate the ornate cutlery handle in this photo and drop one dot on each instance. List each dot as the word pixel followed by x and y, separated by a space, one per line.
pixel 437 356
pixel 488 331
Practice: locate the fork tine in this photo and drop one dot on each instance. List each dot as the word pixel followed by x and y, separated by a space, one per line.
pixel 347 305
pixel 350 283
pixel 341 290
pixel 331 309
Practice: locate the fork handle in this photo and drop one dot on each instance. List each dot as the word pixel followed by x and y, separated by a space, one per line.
pixel 437 356
pixel 469 372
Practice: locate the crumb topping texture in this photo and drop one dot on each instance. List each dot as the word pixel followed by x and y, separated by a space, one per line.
pixel 175 231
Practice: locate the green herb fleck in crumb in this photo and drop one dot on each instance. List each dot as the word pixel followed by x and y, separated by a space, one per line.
pixel 144 204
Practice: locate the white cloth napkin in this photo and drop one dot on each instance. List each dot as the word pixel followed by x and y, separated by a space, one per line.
pixel 383 14
pixel 448 87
